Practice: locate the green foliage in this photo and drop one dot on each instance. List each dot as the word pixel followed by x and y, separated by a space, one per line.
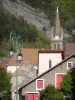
pixel 10 23
pixel 30 35
pixel 73 80
pixel 66 84
pixel 67 13
pixel 41 44
pixel 5 83
pixel 42 41
pixel 50 93
pixel 4 48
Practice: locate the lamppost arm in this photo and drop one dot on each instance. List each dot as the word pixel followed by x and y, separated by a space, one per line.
pixel 18 44
pixel 12 37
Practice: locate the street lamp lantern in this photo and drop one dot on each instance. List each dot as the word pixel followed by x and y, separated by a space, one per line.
pixel 11 52
pixel 64 97
pixel 19 57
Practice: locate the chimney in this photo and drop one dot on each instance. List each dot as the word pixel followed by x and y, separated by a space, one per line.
pixel 57 23
pixel 36 70
pixel 50 63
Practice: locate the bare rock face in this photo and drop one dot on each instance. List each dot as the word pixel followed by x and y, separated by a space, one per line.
pixel 1 4
pixel 13 0
pixel 31 15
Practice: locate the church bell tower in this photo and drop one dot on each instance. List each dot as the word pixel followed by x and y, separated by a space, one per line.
pixel 57 34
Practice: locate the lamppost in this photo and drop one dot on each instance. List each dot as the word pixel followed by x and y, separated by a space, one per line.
pixel 66 97
pixel 19 44
pixel 2 94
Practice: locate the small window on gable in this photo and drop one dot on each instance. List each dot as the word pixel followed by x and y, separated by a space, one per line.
pixel 39 84
pixel 69 65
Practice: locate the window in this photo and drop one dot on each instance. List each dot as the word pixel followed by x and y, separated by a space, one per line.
pixel 39 84
pixel 69 65
pixel 54 46
pixel 58 46
pixel 32 95
pixel 58 79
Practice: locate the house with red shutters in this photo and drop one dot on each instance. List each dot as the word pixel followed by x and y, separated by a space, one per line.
pixel 53 76
pixel 40 59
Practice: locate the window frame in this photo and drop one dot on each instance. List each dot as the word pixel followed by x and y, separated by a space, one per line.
pixel 37 84
pixel 33 93
pixel 71 65
pixel 56 77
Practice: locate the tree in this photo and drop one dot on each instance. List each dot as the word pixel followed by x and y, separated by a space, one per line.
pixel 66 84
pixel 67 14
pixel 5 83
pixel 73 84
pixel 50 93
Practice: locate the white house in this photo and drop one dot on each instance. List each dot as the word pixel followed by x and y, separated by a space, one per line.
pixel 49 58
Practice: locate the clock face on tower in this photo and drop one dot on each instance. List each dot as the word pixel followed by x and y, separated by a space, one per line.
pixel 57 37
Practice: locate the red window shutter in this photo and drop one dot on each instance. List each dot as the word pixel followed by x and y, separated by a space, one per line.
pixel 40 84
pixel 36 96
pixel 59 78
pixel 30 96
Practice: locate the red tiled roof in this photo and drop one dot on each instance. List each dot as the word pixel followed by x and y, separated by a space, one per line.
pixel 69 49
pixel 50 51
pixel 31 54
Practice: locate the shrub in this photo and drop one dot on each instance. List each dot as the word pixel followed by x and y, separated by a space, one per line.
pixel 50 93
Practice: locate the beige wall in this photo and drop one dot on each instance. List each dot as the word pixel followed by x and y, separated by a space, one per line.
pixel 44 58
pixel 12 69
pixel 49 78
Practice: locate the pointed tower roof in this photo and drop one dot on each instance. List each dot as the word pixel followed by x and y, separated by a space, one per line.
pixel 57 23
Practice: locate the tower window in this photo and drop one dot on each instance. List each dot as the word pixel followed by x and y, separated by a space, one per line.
pixel 58 46
pixel 54 46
